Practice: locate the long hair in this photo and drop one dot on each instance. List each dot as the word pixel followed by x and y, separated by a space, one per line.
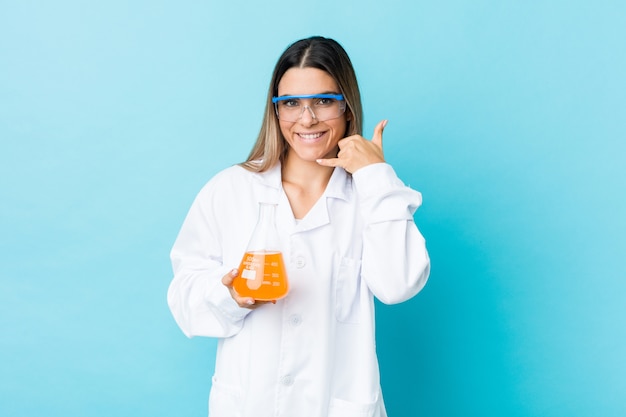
pixel 314 52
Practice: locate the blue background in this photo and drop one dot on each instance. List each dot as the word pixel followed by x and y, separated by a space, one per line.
pixel 509 116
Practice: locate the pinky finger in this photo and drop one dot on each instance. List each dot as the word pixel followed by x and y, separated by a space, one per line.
pixel 328 162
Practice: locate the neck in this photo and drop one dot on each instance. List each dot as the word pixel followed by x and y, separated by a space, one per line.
pixel 305 173
pixel 303 182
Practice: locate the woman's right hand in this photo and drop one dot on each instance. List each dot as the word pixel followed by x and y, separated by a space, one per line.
pixel 243 302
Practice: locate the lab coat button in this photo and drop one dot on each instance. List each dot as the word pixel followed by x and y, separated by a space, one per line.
pixel 287 380
pixel 295 320
pixel 300 261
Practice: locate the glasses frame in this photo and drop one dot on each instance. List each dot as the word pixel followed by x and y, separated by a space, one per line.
pixel 338 97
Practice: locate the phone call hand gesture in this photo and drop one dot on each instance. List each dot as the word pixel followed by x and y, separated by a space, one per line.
pixel 356 152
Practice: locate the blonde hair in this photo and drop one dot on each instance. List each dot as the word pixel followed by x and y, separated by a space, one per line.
pixel 314 52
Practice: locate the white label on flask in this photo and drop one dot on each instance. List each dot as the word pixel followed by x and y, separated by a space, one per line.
pixel 248 274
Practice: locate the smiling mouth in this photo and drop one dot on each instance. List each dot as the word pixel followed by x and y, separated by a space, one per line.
pixel 311 136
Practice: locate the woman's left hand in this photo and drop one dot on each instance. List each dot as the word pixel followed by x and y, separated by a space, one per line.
pixel 356 152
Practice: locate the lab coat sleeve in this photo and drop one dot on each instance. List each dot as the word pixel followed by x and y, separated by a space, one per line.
pixel 395 264
pixel 199 302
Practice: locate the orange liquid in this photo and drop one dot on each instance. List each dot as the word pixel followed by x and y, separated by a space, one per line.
pixel 262 276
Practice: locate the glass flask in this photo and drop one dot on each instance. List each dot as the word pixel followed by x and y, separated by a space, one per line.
pixel 262 274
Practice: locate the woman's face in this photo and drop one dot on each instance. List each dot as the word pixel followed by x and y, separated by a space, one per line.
pixel 308 138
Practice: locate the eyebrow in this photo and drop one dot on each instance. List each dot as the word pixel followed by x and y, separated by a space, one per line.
pixel 336 96
pixel 335 93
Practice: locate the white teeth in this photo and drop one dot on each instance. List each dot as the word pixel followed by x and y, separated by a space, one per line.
pixel 310 135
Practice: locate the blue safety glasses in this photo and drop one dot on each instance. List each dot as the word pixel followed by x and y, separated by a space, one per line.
pixel 322 107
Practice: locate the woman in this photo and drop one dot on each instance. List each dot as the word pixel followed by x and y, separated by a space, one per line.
pixel 347 234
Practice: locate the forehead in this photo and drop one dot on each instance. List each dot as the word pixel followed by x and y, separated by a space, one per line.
pixel 305 81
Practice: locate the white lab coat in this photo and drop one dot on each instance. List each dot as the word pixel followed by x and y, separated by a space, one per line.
pixel 313 353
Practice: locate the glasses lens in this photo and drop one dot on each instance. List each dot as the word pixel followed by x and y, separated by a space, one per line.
pixel 320 108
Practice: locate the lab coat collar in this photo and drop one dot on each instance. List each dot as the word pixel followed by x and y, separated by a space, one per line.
pixel 270 178
pixel 339 187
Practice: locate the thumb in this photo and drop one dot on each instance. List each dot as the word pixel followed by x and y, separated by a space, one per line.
pixel 378 133
pixel 228 279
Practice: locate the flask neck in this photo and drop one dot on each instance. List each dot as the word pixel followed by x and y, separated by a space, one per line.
pixel 265 235
pixel 267 214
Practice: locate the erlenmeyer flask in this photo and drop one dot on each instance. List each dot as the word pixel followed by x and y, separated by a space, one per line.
pixel 262 274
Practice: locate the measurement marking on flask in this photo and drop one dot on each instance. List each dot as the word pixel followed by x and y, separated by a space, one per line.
pixel 248 274
pixel 263 276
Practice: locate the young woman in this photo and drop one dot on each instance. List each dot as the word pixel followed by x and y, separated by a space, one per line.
pixel 347 235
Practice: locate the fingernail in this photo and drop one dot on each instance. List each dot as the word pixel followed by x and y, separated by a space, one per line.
pixel 250 302
pixel 385 123
pixel 234 272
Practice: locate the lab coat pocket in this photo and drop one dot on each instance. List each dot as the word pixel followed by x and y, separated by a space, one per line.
pixel 348 304
pixel 343 408
pixel 224 400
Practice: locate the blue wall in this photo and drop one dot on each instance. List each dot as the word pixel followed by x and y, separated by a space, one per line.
pixel 510 117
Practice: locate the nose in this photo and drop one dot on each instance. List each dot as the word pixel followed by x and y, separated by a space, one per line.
pixel 307 118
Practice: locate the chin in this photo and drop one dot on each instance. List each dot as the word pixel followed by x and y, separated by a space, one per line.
pixel 310 155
